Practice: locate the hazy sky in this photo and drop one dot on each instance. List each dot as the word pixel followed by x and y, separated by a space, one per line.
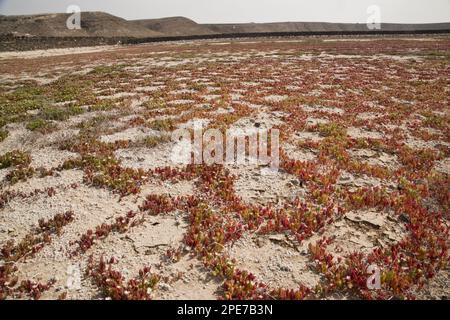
pixel 404 11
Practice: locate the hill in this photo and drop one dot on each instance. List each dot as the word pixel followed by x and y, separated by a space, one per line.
pixel 174 26
pixel 93 24
pixel 316 27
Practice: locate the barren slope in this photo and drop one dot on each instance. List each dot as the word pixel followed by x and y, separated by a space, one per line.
pixel 317 27
pixel 174 26
pixel 93 24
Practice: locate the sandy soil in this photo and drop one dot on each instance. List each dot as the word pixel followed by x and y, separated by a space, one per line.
pixel 340 134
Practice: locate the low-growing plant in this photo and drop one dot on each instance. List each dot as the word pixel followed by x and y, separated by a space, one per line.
pixel 102 105
pixel 332 129
pixel 37 238
pixel 153 141
pixel 34 289
pixel 53 113
pixel 162 125
pixel 19 173
pixel 40 125
pixel 14 158
pixel 125 181
pixel 120 225
pixel 413 193
pixel 3 135
pixel 113 285
pixel 155 104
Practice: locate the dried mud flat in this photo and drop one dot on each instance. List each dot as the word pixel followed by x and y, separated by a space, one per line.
pixel 92 207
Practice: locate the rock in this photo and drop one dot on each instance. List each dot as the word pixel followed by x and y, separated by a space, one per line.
pixel 164 286
pixel 277 237
pixel 260 242
pixel 371 218
pixel 403 218
pixel 284 268
pixel 381 243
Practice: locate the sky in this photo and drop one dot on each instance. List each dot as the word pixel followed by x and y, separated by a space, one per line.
pixel 235 11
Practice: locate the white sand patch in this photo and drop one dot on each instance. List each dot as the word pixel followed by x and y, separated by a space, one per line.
pixel 32 54
pixel 375 158
pixel 144 158
pixel 131 134
pixel 295 153
pixel 149 88
pixel 195 123
pixel 180 102
pixel 306 135
pixel 419 144
pixel 255 185
pixel 262 120
pixel 18 138
pixel 331 110
pixel 368 116
pixel 212 97
pixel 443 166
pixel 362 231
pixel 276 98
pixel 361 133
pixel 91 207
pixel 143 245
pixel 178 189
pixel 197 282
pixel 50 157
pixel 273 262
pixel 62 178
pixel 315 121
pixel 347 179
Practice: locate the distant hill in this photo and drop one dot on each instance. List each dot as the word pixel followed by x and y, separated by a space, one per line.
pixel 94 24
pixel 317 27
pixel 174 26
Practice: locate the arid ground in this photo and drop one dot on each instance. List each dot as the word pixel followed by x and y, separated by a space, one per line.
pixel 92 207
